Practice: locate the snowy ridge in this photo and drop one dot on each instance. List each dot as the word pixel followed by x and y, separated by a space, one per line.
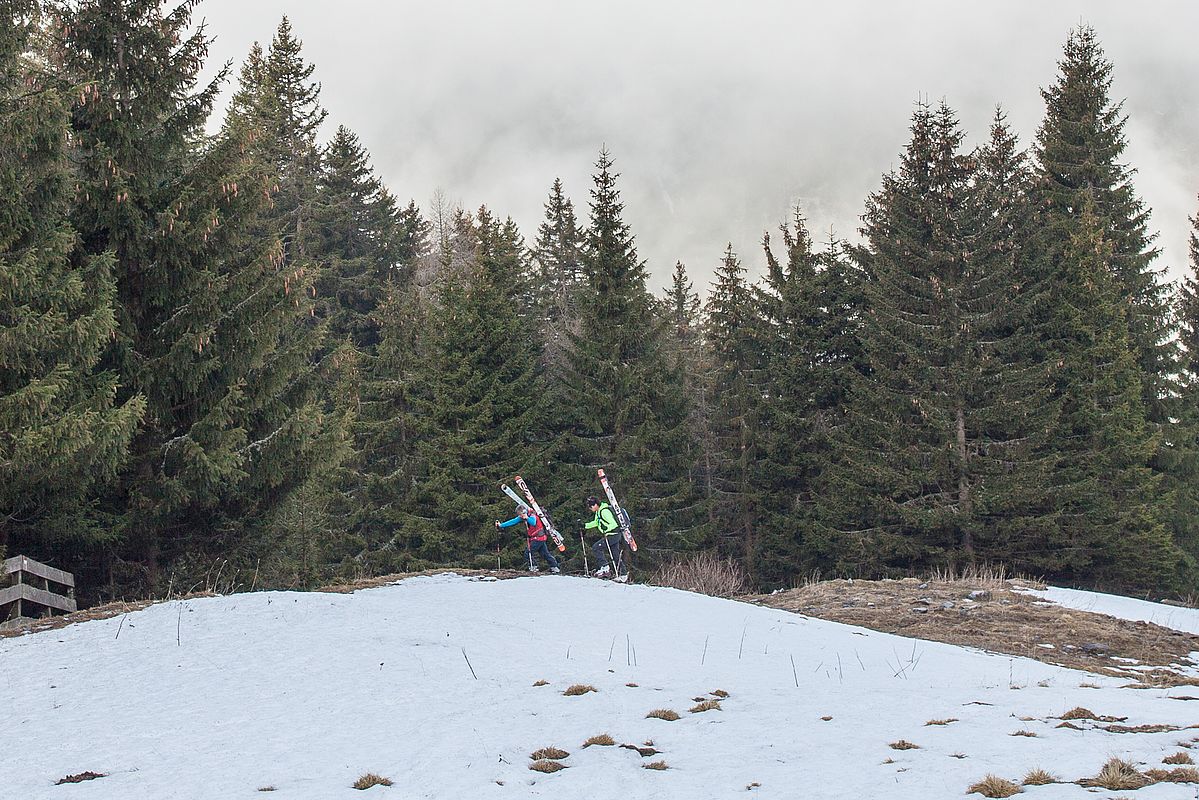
pixel 429 682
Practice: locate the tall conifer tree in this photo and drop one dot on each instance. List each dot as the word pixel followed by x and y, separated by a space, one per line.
pixel 63 434
pixel 1183 461
pixel 628 411
pixel 477 399
pixel 210 327
pixel 1079 148
pixel 730 325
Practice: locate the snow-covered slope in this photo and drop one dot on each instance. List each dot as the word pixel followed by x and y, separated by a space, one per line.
pixel 305 692
pixel 1176 617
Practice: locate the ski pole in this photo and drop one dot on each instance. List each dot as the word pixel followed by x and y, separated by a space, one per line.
pixel 583 547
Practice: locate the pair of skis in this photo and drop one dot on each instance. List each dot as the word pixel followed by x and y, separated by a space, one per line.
pixel 622 518
pixel 532 501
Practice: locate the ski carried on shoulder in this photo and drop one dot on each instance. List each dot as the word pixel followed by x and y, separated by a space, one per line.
pixel 622 518
pixel 520 502
pixel 545 518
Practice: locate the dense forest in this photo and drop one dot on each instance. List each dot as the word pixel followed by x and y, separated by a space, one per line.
pixel 230 356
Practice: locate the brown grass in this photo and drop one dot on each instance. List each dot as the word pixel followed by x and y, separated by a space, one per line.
pixel 704 573
pixel 1117 774
pixel 1176 775
pixel 721 693
pixel 603 740
pixel 995 786
pixel 1178 758
pixel 903 744
pixel 1139 728
pixel 266 788
pixel 371 779
pixel 655 765
pixel 663 713
pixel 827 718
pixel 1039 777
pixel 578 689
pixel 1024 733
pixel 550 753
pixel 1015 627
pixel 1069 725
pixel 546 766
pixel 81 777
pixel 631 685
pixel 1078 712
pixel 706 705
pixel 945 721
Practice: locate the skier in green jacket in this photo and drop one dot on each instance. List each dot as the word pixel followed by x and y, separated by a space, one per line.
pixel 607 549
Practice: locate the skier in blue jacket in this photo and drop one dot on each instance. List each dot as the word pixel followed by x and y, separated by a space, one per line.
pixel 535 532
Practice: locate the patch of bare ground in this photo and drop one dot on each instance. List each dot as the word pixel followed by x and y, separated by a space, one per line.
pixel 989 612
pixel 383 580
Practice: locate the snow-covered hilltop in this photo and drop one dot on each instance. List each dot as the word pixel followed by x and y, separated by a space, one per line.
pixel 430 683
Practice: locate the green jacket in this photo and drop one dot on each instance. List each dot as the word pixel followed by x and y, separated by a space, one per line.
pixel 604 520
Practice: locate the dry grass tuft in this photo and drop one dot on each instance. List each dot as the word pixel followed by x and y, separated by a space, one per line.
pixel 266 788
pixel 1178 758
pixel 371 779
pixel 957 755
pixel 1024 733
pixel 721 693
pixel 550 753
pixel 706 705
pixel 81 777
pixel 663 713
pixel 541 683
pixel 631 685
pixel 903 744
pixel 1039 777
pixel 1117 774
pixel 655 765
pixel 546 766
pixel 1078 712
pixel 754 785
pixel 1069 725
pixel 1140 728
pixel 945 721
pixel 704 573
pixel 603 740
pixel 995 786
pixel 1176 775
pixel 578 689
pixel 827 718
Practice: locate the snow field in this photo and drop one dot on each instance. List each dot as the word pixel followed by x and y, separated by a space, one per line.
pixel 305 692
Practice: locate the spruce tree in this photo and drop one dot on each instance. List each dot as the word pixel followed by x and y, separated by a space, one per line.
pixel 627 410
pixel 557 276
pixel 63 433
pixel 360 239
pixel 477 403
pixel 1183 452
pixel 1106 499
pixel 929 449
pixel 801 402
pixel 212 327
pixel 1079 148
pixel 695 520
pixel 729 332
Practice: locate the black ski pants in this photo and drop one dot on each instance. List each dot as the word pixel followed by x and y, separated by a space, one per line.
pixel 607 551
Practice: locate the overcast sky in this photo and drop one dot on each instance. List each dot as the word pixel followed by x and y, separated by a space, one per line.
pixel 720 115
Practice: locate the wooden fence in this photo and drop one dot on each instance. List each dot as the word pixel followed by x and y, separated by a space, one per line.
pixel 37 590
